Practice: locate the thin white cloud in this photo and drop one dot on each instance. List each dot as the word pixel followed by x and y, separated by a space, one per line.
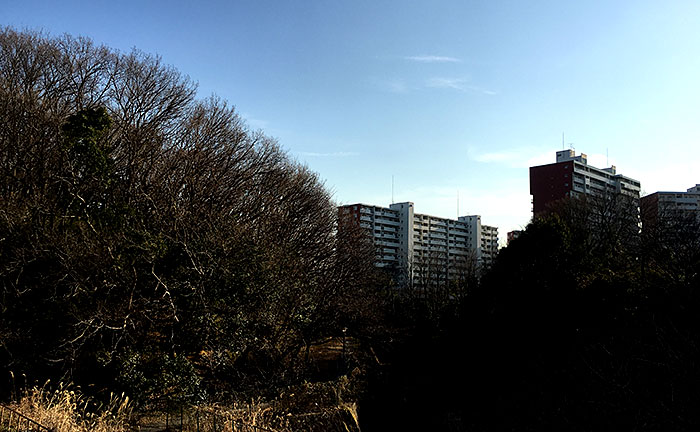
pixel 433 59
pixel 331 154
pixel 460 84
pixel 452 83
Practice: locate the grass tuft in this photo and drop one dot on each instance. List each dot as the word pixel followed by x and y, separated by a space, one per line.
pixel 66 409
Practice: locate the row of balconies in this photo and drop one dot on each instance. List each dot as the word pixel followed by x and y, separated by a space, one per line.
pixel 386 242
pixel 450 231
pixel 379 221
pixel 440 238
pixel 379 228
pixel 390 222
pixel 679 197
pixel 429 247
pixel 442 244
pixel 379 211
pixel 431 240
pixel 593 172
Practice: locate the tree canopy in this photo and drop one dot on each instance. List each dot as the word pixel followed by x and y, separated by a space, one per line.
pixel 150 237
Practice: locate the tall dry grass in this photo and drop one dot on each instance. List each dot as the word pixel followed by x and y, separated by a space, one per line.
pixel 66 409
pixel 312 407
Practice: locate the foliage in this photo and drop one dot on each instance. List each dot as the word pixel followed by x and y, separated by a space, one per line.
pixel 151 239
pixel 150 242
pixel 574 328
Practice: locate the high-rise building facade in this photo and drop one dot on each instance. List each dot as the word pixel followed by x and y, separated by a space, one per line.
pixel 571 176
pixel 428 249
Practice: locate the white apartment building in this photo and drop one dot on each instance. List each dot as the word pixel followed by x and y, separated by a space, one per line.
pixel 489 243
pixel 429 248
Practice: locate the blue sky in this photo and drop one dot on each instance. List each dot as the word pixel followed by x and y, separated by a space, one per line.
pixel 451 98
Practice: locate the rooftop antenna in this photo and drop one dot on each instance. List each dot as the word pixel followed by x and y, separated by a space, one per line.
pixel 607 160
pixel 392 188
pixel 457 203
pixel 562 140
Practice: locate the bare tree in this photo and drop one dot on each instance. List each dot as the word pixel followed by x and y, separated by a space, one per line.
pixel 670 242
pixel 141 228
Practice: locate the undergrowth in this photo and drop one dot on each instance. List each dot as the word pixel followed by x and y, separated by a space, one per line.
pixel 314 407
pixel 66 409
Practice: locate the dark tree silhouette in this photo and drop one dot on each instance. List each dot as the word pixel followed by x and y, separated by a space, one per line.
pixel 151 239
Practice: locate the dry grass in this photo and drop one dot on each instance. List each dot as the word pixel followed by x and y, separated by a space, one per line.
pixel 213 418
pixel 309 407
pixel 314 407
pixel 66 409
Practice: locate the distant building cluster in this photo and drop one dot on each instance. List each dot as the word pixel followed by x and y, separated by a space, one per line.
pixel 429 250
pixel 571 176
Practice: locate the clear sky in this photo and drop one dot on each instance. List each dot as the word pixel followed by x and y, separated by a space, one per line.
pixel 451 98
